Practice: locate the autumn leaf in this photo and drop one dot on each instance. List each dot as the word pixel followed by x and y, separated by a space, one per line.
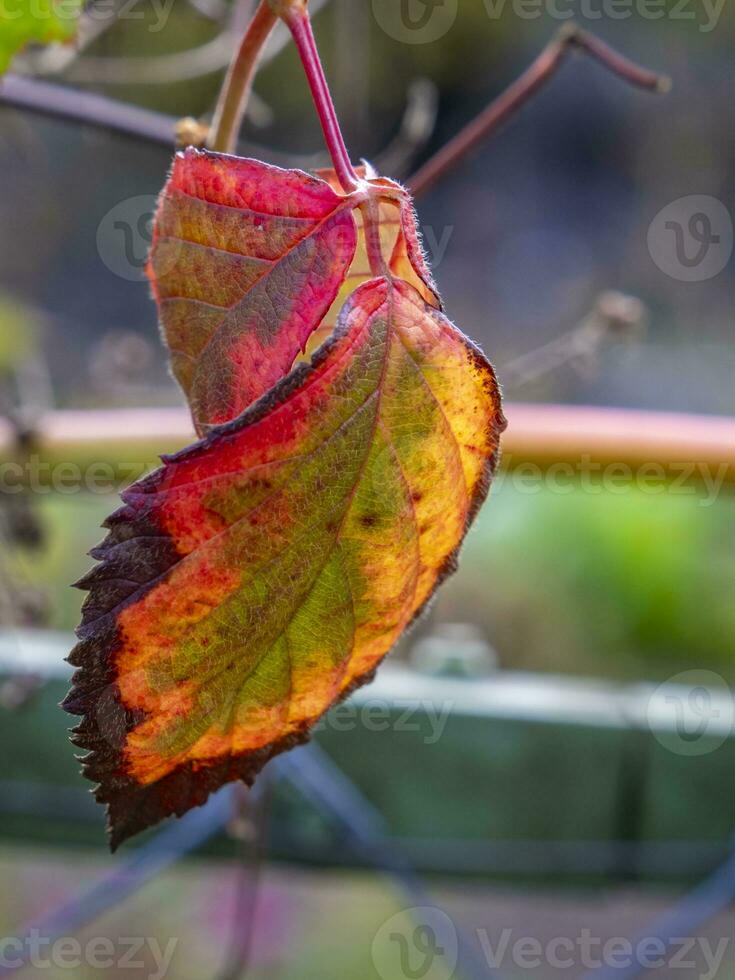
pixel 246 260
pixel 262 574
pixel 30 21
pixel 251 264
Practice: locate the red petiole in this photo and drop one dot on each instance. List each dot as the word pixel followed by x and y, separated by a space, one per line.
pixel 296 17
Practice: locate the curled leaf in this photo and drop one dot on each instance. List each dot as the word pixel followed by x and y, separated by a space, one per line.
pixel 246 260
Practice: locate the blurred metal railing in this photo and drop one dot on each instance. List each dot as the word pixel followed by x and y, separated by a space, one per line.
pixel 674 446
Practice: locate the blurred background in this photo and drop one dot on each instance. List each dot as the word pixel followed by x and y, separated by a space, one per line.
pixel 559 795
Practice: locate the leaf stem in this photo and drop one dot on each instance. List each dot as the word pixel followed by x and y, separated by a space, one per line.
pixel 296 16
pixel 370 210
pixel 238 81
pixel 569 38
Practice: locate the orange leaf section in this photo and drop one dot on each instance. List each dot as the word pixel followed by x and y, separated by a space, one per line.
pixel 245 262
pixel 261 575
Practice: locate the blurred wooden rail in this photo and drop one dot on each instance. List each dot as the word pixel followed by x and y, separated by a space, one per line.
pixel 606 437
pixel 538 438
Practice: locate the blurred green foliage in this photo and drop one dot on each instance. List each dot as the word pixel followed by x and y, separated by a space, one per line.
pixel 19 332
pixel 35 21
pixel 601 584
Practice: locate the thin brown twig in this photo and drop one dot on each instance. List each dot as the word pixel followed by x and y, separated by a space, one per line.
pixel 417 125
pixel 233 98
pixel 250 829
pixel 614 316
pixel 176 66
pixel 167 69
pixel 89 108
pixel 121 118
pixel 162 69
pixel 214 10
pixel 570 37
pixel 118 117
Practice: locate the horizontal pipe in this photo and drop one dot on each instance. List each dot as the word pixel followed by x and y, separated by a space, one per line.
pixel 681 445
pixel 540 438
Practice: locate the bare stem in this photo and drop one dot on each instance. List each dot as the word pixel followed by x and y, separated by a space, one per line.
pixel 534 78
pixel 371 221
pixel 296 17
pixel 238 81
pixel 614 316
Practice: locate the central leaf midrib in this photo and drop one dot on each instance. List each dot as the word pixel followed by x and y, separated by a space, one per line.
pixel 350 498
pixel 278 630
